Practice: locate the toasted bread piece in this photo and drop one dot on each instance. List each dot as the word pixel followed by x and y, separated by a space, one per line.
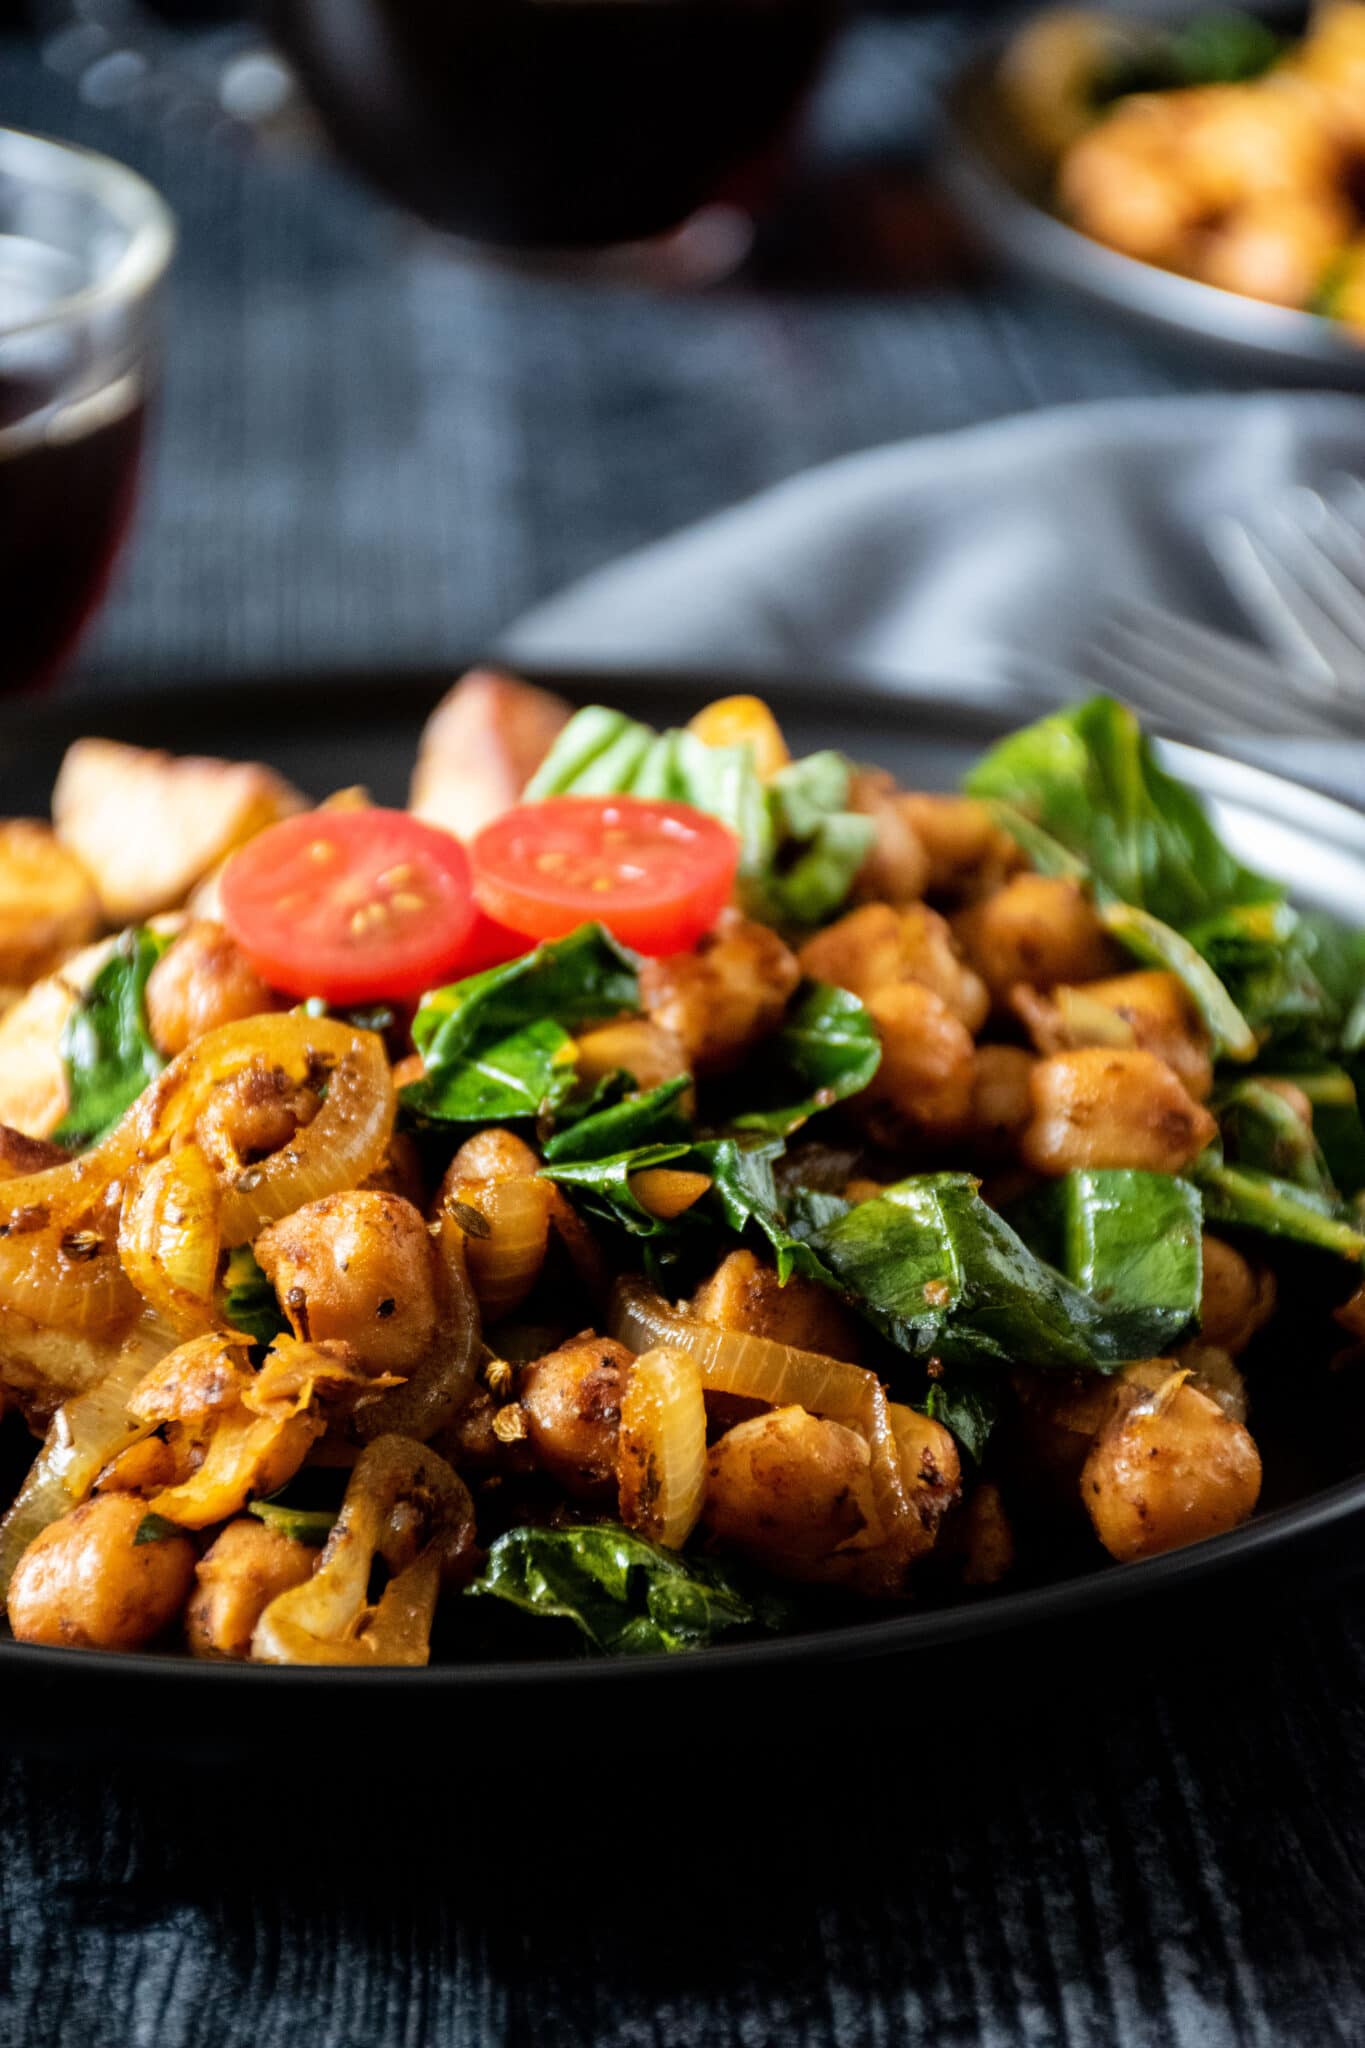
pixel 48 904
pixel 148 825
pixel 482 744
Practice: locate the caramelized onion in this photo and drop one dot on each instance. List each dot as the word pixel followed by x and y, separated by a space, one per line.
pixel 760 1369
pixel 85 1434
pixel 506 1253
pixel 169 1239
pixel 329 1619
pixel 661 1458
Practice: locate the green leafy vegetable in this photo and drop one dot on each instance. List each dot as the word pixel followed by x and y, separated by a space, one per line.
pixel 155 1529
pixel 800 847
pixel 742 1197
pixel 1090 779
pixel 1240 1196
pixel 107 1048
pixel 302 1525
pixel 650 1118
pixel 1160 945
pixel 249 1301
pixel 968 1406
pixel 497 1046
pixel 1260 1129
pixel 625 1596
pixel 940 1274
pixel 827 1049
pixel 1221 48
pixel 1130 1240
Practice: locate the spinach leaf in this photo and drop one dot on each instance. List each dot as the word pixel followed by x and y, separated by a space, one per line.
pixel 827 1049
pixel 1261 1130
pixel 1130 1240
pixel 967 1406
pixel 497 1046
pixel 941 1275
pixel 1158 945
pixel 653 1117
pixel 249 1301
pixel 742 1198
pixel 1089 778
pixel 1242 1197
pixel 626 1596
pixel 155 1529
pixel 800 847
pixel 107 1048
pixel 301 1525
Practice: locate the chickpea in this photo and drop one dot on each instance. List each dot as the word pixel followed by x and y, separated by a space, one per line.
pixel 1167 1471
pixel 969 854
pixel 492 1154
pixel 745 1294
pixel 875 947
pixel 1149 1009
pixel 1039 929
pixel 572 1404
pixel 236 1580
pixel 202 980
pixel 924 1084
pixel 252 1115
pixel 787 1489
pixel 897 868
pixel 359 1268
pixel 720 1000
pixel 1277 246
pixel 87 1583
pixel 1096 1108
pixel 1241 141
pixel 1238 1297
pixel 1212 1372
pixel 1001 1100
pixel 1122 182
pixel 635 1046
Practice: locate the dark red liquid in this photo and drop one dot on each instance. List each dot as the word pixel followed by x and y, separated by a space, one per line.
pixel 556 123
pixel 66 491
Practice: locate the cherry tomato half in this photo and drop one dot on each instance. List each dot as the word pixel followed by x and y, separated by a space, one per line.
pixel 656 874
pixel 350 905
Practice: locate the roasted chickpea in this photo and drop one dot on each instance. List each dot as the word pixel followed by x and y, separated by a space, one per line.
pixel 1277 246
pixel 788 1489
pixel 897 868
pixel 572 1403
pixel 1095 1108
pixel 359 1268
pixel 1001 1099
pixel 1238 1297
pixel 1149 1009
pixel 87 1583
pixel 745 1294
pixel 720 1000
pixel 875 947
pixel 987 1537
pixel 1038 929
pixel 924 1084
pixel 202 980
pixel 236 1580
pixel 969 854
pixel 1169 1470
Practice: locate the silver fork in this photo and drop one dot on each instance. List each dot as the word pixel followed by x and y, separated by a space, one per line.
pixel 1188 677
pixel 1298 568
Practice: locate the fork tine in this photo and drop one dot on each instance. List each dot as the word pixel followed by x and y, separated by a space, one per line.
pixel 1271 594
pixel 1329 557
pixel 1182 669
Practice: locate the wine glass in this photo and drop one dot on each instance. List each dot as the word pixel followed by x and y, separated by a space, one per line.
pixel 84 248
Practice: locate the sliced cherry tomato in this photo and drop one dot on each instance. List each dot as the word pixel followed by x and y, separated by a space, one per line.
pixel 350 905
pixel 656 874
pixel 489 944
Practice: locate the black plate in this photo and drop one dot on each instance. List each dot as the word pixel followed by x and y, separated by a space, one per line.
pixel 334 731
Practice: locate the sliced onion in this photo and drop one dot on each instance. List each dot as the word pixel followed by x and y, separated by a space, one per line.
pixel 736 1362
pixel 661 1460
pixel 169 1239
pixel 506 1256
pixel 328 1619
pixel 433 1395
pixel 85 1434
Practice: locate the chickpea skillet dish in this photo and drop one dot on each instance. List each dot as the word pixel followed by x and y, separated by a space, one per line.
pixel 1222 149
pixel 653 1190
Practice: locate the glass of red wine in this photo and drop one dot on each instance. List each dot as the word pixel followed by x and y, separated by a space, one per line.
pixel 84 248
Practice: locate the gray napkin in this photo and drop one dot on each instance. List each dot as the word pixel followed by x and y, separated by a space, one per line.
pixel 981 561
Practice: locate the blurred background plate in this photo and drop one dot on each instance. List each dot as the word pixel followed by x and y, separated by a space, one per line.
pixel 999 186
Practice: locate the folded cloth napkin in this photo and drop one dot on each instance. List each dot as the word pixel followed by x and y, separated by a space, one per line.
pixel 979 561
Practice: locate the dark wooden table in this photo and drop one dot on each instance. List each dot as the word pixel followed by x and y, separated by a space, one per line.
pixel 370 454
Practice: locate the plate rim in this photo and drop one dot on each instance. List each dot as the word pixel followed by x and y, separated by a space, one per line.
pixel 964 1625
